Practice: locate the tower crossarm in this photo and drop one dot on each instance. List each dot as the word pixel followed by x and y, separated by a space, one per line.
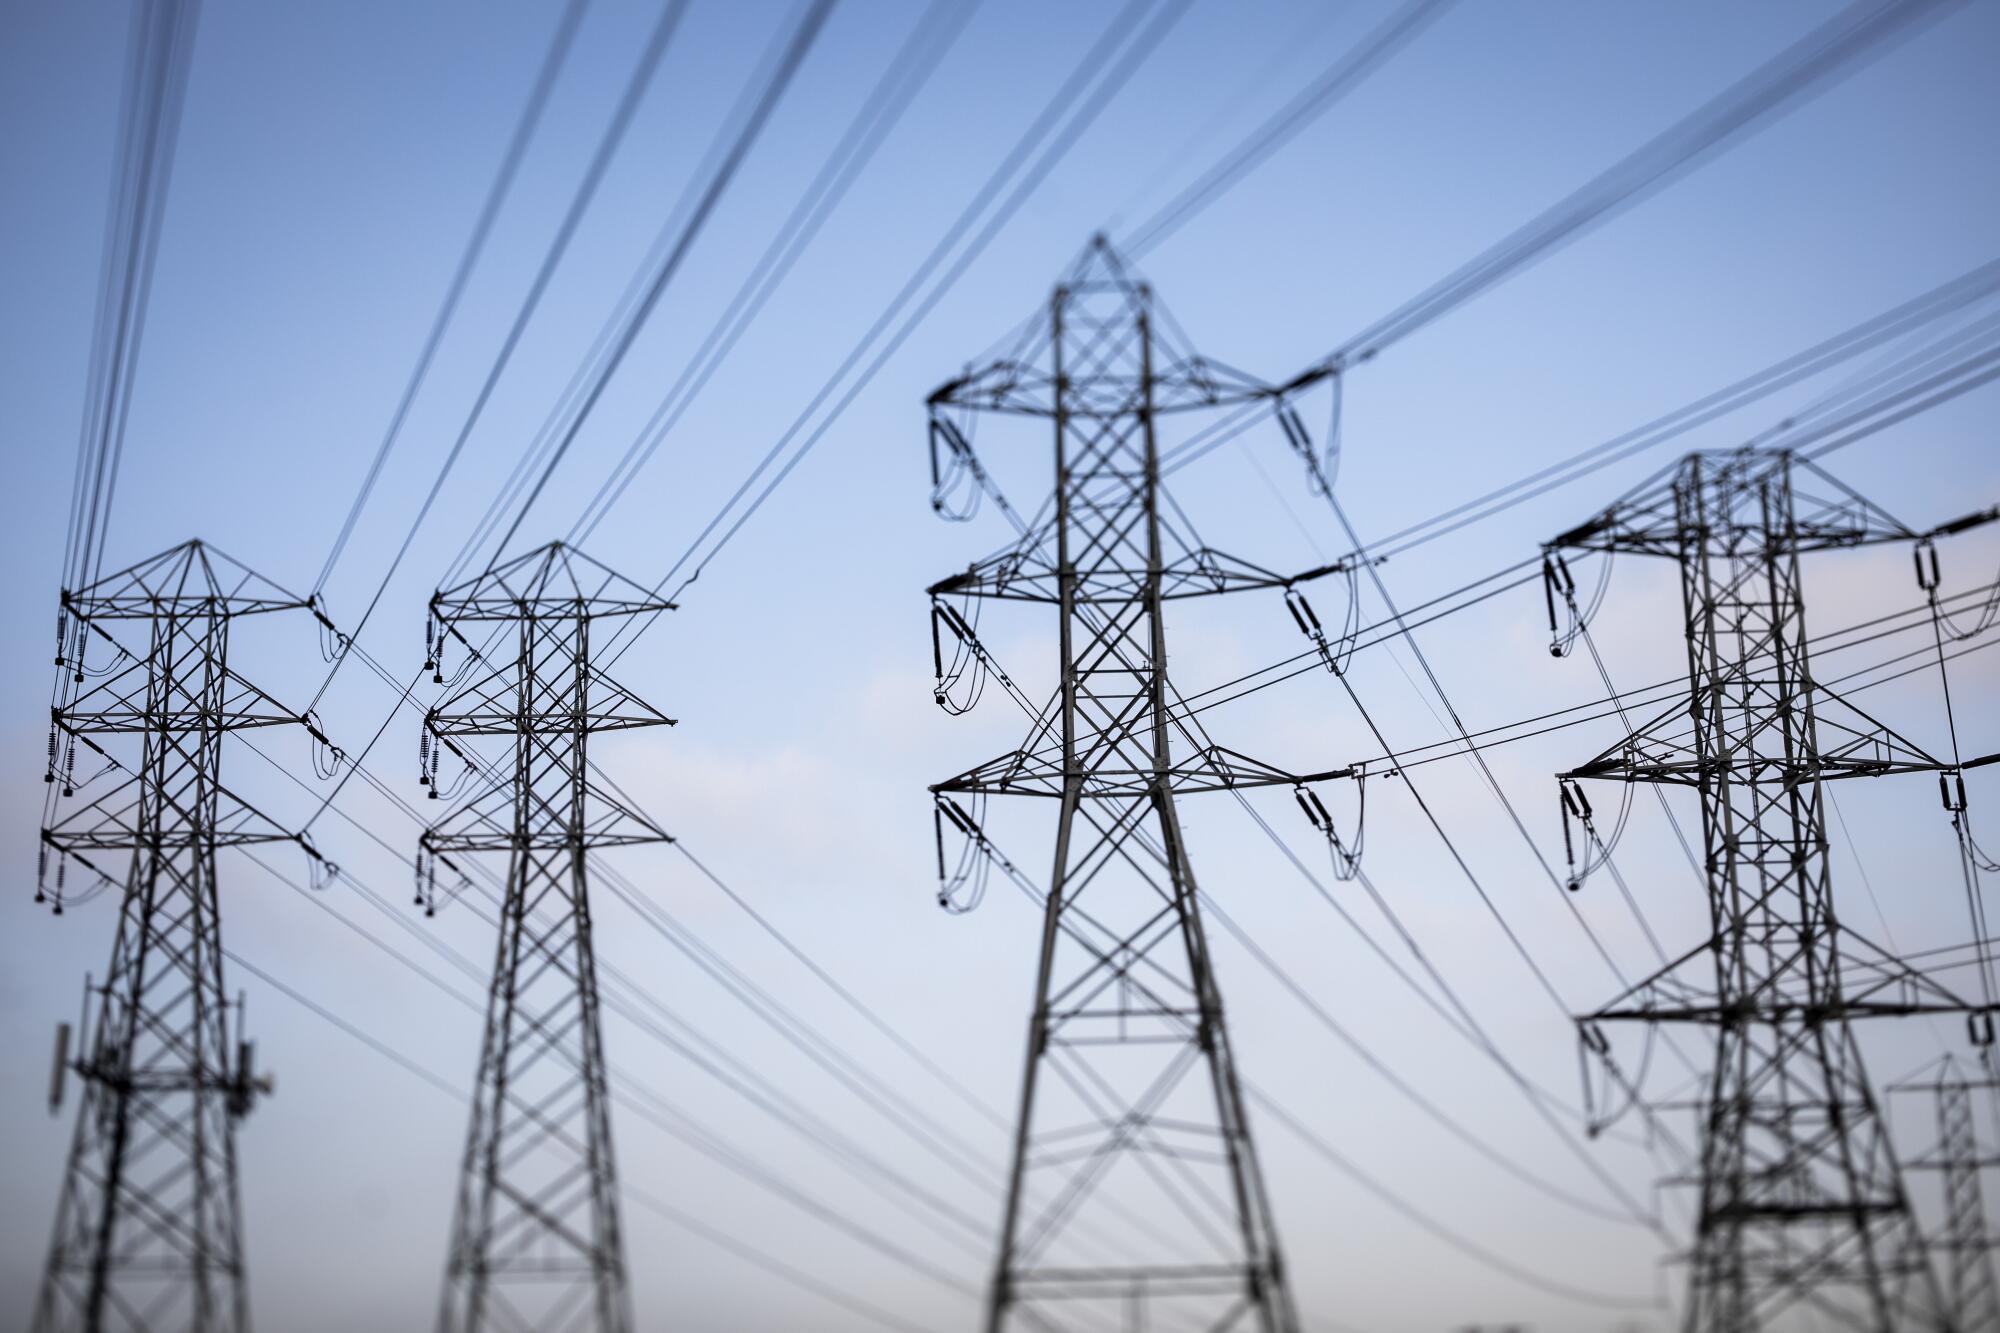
pixel 192 579
pixel 555 581
pixel 1215 768
pixel 1030 571
pixel 1737 492
pixel 1870 982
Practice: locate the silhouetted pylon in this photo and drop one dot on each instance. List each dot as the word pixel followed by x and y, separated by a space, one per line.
pixel 535 1239
pixel 1130 1088
pixel 149 1231
pixel 1803 1207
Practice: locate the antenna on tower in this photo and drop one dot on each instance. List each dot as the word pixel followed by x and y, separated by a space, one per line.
pixel 148 1229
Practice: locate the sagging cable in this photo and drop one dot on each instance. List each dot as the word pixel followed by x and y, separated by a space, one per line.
pixel 1334 653
pixel 426 866
pixel 1300 441
pixel 434 656
pixel 1587 853
pixel 1345 857
pixel 1559 587
pixel 466 770
pixel 60 896
pixel 958 480
pixel 321 873
pixel 1928 578
pixel 327 757
pixel 961 681
pixel 1594 1050
pixel 962 881
pixel 332 643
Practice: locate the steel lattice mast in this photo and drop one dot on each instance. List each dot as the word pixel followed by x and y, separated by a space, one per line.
pixel 149 1231
pixel 1972 1294
pixel 1130 1086
pixel 535 1240
pixel 1802 1203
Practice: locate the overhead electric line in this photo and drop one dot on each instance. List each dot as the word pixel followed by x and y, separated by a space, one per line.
pixel 482 228
pixel 1104 69
pixel 155 91
pixel 935 33
pixel 1451 1236
pixel 634 91
pixel 656 1109
pixel 755 1255
pixel 758 114
pixel 1947 299
pixel 1809 66
pixel 1382 43
pixel 1803 70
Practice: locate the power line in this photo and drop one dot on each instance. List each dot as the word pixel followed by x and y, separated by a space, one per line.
pixel 1803 70
pixel 934 34
pixel 1976 285
pixel 614 135
pixel 1080 80
pixel 653 1107
pixel 510 163
pixel 1464 1244
pixel 1382 43
pixel 1808 67
pixel 767 98
pixel 1088 83
pixel 154 95
pixel 752 1254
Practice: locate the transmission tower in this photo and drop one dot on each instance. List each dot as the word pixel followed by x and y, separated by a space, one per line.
pixel 149 1232
pixel 535 1240
pixel 1972 1296
pixel 1130 1087
pixel 1802 1205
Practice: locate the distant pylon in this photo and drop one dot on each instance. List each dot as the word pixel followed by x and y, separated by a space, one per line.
pixel 1130 1086
pixel 149 1233
pixel 1802 1204
pixel 1972 1296
pixel 535 1239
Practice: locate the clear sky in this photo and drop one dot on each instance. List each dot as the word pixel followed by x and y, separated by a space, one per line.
pixel 331 162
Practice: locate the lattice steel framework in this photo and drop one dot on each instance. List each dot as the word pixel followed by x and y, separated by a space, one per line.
pixel 1131 1087
pixel 1802 1205
pixel 149 1231
pixel 1972 1295
pixel 535 1240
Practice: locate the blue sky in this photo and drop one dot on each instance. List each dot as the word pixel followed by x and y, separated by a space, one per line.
pixel 331 162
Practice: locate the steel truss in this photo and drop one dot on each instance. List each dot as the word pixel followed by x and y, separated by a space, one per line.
pixel 1972 1294
pixel 535 1239
pixel 149 1228
pixel 1130 1088
pixel 1803 1210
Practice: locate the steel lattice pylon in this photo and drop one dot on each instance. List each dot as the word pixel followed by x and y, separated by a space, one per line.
pixel 535 1239
pixel 1972 1294
pixel 149 1231
pixel 1130 1087
pixel 1802 1203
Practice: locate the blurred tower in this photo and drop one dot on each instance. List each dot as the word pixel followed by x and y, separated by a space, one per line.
pixel 1802 1203
pixel 1130 1084
pixel 148 1231
pixel 535 1240
pixel 1972 1297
